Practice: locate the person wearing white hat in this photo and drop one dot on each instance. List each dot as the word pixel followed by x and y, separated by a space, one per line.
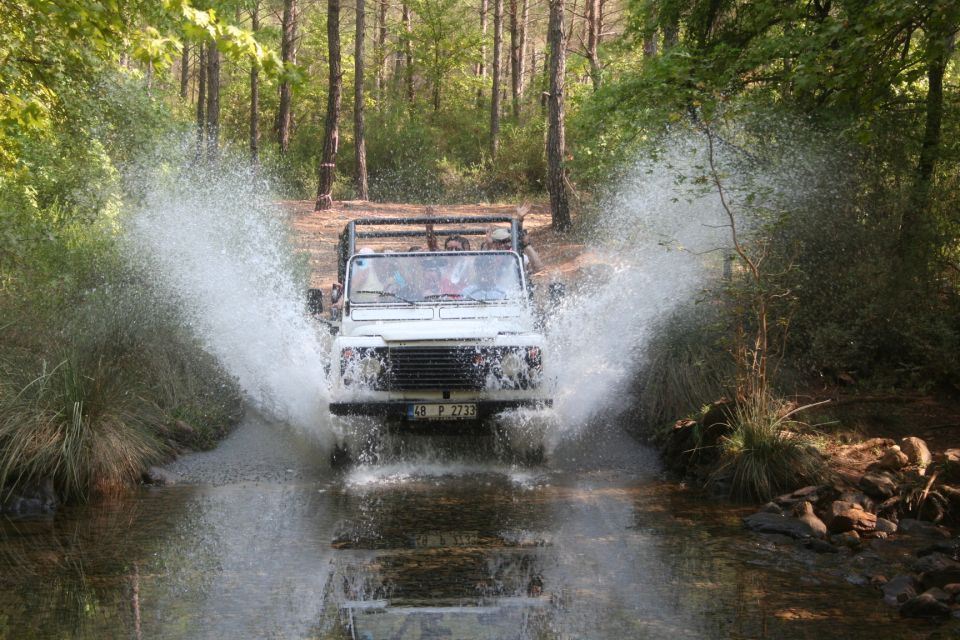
pixel 500 240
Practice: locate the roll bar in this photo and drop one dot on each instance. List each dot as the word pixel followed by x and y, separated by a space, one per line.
pixel 355 229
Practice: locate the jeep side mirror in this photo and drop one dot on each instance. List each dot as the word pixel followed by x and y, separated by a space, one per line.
pixel 336 292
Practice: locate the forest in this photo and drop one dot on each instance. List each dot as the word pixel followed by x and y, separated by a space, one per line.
pixel 452 101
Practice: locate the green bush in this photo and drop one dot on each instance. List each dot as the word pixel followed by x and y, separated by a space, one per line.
pixel 764 454
pixel 108 387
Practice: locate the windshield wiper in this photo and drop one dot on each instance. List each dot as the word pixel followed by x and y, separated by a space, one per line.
pixel 443 296
pixel 454 296
pixel 386 293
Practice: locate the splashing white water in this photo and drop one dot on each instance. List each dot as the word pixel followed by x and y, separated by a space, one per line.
pixel 219 243
pixel 657 242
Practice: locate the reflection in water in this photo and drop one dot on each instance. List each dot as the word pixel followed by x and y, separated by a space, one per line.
pixel 575 550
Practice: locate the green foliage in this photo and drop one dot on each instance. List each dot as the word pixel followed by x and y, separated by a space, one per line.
pixel 687 366
pixel 764 455
pixel 92 400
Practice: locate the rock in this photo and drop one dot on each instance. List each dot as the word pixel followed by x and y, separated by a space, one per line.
pixel 820 546
pixel 924 606
pixel 763 522
pixel 893 459
pixel 805 491
pixel 858 498
pixel 937 570
pixel 953 589
pixel 845 516
pixel 159 477
pixel 885 526
pixel 899 589
pixel 786 500
pixel 878 580
pixel 917 451
pixel 772 507
pixel 952 493
pixel 858 579
pixel 952 456
pixel 34 498
pixel 849 539
pixel 806 515
pixel 939 594
pixel 922 528
pixel 878 485
pixel 946 547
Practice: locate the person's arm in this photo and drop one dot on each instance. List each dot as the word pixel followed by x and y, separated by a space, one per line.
pixel 536 264
pixel 431 239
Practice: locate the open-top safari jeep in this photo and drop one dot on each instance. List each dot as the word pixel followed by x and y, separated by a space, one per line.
pixel 434 336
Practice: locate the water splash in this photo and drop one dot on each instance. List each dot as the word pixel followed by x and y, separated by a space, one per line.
pixel 216 240
pixel 660 236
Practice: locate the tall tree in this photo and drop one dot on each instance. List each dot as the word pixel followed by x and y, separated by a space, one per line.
pixel 331 136
pixel 516 56
pixel 380 50
pixel 495 93
pixel 255 90
pixel 185 71
pixel 594 29
pixel 556 173
pixel 288 56
pixel 917 224
pixel 213 101
pixel 360 145
pixel 408 50
pixel 201 97
pixel 481 68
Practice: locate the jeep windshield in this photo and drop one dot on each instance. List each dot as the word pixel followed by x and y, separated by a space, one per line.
pixel 421 277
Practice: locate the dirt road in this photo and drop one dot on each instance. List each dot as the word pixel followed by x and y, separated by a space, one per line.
pixel 317 233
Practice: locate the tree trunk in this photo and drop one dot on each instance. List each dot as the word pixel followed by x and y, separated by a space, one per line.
pixel 185 71
pixel 331 137
pixel 482 65
pixel 522 47
pixel 213 101
pixel 516 55
pixel 360 147
pixel 380 55
pixel 593 41
pixel 288 55
pixel 201 97
pixel 408 51
pixel 495 93
pixel 255 91
pixel 556 174
pixel 916 226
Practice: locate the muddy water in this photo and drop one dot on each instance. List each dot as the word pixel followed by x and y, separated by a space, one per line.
pixel 260 540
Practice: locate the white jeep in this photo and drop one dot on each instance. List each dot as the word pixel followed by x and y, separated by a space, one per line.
pixel 434 336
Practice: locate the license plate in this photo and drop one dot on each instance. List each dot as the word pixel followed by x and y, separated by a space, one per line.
pixel 442 411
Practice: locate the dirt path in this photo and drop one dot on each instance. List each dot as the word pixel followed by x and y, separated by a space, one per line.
pixel 317 233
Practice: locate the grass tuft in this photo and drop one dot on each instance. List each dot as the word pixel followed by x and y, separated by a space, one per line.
pixel 764 455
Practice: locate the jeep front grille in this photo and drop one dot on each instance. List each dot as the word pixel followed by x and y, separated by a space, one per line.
pixel 449 368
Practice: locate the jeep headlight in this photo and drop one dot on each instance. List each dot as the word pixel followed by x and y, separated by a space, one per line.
pixel 511 365
pixel 369 369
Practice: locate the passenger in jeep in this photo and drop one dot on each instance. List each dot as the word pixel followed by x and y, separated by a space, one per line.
pixel 494 278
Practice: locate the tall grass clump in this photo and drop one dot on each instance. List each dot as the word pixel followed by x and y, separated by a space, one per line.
pixel 764 453
pixel 686 366
pixel 100 383
pixel 79 423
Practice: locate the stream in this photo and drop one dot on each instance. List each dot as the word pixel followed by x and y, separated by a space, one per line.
pixel 261 539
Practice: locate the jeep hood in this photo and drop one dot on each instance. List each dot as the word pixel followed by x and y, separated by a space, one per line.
pixel 438 330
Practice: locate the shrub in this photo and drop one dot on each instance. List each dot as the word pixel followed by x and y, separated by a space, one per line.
pixel 764 454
